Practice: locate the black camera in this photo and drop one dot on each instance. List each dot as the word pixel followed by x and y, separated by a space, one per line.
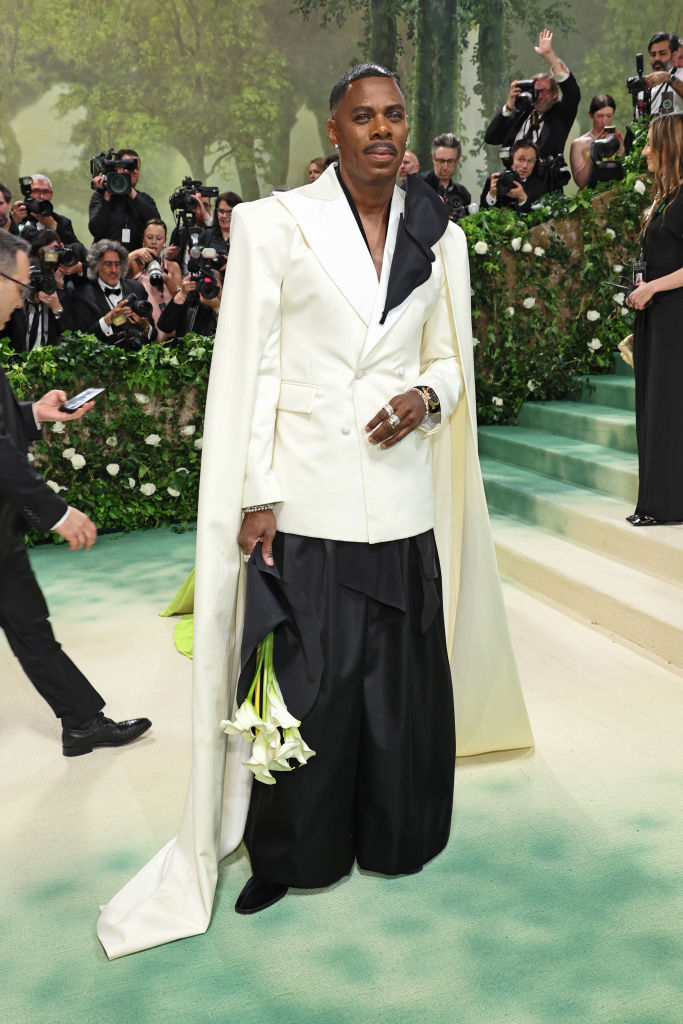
pixel 552 170
pixel 527 97
pixel 602 153
pixel 184 200
pixel 41 207
pixel 116 170
pixel 506 181
pixel 640 94
pixel 126 334
pixel 201 266
pixel 141 307
pixel 42 273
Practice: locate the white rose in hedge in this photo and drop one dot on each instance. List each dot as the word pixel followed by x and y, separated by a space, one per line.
pixel 617 268
pixel 610 233
pixel 639 187
pixel 172 491
pixel 131 482
pixel 198 442
pixel 527 247
pixel 58 427
pixel 594 344
pixel 68 453
pixel 140 398
pixel 497 401
pixel 152 439
pixel 516 244
pixel 148 490
pixel 510 311
pixel 619 298
pixel 112 441
pixel 481 248
pixel 592 315
pixel 30 457
pixel 188 431
pixel 54 486
pixel 77 461
pixel 531 384
pixel 182 469
pixel 529 302
pixel 112 468
pixel 538 251
pixel 475 342
pixel 625 311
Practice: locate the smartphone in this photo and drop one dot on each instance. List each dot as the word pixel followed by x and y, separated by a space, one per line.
pixel 75 403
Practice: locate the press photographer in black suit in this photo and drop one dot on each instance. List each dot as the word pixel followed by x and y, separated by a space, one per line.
pixel 556 101
pixel 522 193
pixel 41 215
pixel 25 499
pixel 47 309
pixel 121 217
pixel 108 295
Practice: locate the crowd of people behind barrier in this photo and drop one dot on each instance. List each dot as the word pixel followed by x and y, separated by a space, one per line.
pixel 135 284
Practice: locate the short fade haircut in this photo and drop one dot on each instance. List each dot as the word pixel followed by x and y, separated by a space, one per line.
pixel 603 99
pixel 97 251
pixel 10 247
pixel 41 238
pixel 42 177
pixel 449 140
pixel 664 37
pixel 353 75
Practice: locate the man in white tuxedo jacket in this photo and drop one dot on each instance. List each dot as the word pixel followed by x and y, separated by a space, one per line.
pixel 340 450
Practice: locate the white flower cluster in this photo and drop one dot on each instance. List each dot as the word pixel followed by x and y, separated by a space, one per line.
pixel 639 187
pixel 58 427
pixel 538 251
pixel 592 315
pixel 610 232
pixel 510 311
pixel 529 302
pixel 527 247
pixel 516 244
pixel 497 401
pixel 76 460
pixel 617 268
pixel 619 298
pixel 153 440
pixel 112 468
pixel 594 344
pixel 187 431
pixel 140 398
pixel 481 248
pixel 148 489
pixel 54 486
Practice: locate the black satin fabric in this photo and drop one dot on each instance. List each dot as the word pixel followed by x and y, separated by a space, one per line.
pixel 658 368
pixel 380 787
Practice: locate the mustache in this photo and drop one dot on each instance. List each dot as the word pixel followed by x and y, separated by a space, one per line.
pixel 381 145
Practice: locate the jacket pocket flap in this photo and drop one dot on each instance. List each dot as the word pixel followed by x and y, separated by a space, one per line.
pixel 296 397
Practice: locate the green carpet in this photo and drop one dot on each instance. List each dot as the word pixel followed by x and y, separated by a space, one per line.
pixel 557 900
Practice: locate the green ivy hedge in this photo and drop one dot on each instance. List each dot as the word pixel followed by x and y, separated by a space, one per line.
pixel 133 461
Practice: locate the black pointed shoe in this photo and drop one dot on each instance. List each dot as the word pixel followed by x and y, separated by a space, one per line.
pixel 102 732
pixel 259 894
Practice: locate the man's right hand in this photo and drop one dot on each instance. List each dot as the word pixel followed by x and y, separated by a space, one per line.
pixel 514 93
pixel 19 212
pixel 258 526
pixel 78 530
pixel 98 183
pixel 121 306
pixel 493 187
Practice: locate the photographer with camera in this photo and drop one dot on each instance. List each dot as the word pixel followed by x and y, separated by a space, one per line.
pixel 218 235
pixel 540 109
pixel 148 265
pixel 446 153
pixel 196 304
pixel 191 207
pixel 517 187
pixel 589 162
pixel 47 308
pixel 7 222
pixel 118 209
pixel 111 307
pixel 35 212
pixel 665 82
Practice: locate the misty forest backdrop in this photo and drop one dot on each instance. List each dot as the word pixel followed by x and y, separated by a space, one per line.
pixel 235 93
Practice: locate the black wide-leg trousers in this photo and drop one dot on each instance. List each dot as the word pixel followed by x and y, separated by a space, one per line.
pixel 380 787
pixel 25 619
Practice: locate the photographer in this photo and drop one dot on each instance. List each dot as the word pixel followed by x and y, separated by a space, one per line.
pixel 666 79
pixel 538 112
pixel 122 216
pixel 195 307
pixel 46 311
pixel 148 265
pixel 517 187
pixel 446 153
pixel 584 169
pixel 191 205
pixel 218 235
pixel 112 308
pixel 35 211
pixel 6 221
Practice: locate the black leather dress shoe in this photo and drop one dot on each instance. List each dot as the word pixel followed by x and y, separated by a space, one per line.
pixel 102 732
pixel 641 519
pixel 259 894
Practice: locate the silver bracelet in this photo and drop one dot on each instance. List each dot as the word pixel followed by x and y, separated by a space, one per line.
pixel 256 508
pixel 424 398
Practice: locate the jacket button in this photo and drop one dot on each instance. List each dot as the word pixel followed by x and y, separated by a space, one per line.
pixel 346 429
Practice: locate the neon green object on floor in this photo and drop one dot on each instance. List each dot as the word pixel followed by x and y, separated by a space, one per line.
pixel 183 604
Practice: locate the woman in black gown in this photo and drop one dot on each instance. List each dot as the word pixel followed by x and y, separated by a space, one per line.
pixel 658 335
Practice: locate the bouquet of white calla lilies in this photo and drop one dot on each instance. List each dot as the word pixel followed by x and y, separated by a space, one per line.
pixel 263 719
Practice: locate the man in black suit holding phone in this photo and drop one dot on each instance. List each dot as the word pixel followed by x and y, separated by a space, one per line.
pixel 26 498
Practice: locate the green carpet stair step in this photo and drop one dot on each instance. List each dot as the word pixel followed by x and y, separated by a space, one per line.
pixel 598 424
pixel 634 605
pixel 614 390
pixel 580 462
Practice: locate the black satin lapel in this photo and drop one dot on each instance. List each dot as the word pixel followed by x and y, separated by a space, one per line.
pixel 422 224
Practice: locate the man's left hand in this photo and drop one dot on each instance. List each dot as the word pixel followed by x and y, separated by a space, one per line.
pixel 517 192
pixel 410 409
pixel 656 78
pixel 47 408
